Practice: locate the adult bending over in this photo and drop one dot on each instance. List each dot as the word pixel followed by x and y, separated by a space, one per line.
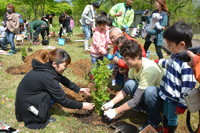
pixel 41 84
pixel 162 9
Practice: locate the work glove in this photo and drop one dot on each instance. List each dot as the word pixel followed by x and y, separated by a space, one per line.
pixel 108 105
pixel 125 27
pixel 108 56
pixel 111 113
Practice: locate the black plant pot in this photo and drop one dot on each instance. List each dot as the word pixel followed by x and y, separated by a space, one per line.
pixel 23 58
pixel 45 42
pixel 30 49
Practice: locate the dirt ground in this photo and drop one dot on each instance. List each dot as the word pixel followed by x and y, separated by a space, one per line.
pixel 81 69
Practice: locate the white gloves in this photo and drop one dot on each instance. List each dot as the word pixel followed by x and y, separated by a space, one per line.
pixel 111 113
pixel 61 25
pixel 108 105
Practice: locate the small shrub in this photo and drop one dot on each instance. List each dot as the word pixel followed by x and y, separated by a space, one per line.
pixel 24 52
pixel 101 74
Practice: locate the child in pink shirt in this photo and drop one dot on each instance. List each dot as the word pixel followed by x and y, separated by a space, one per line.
pixel 71 25
pixel 100 42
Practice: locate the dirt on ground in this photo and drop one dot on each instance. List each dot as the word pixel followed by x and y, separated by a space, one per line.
pixel 81 67
pixel 80 35
pixel 24 68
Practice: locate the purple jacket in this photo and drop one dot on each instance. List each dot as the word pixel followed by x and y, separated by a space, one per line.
pixel 71 23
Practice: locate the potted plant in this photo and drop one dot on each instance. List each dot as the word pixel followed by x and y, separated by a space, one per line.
pixel 101 75
pixel 24 53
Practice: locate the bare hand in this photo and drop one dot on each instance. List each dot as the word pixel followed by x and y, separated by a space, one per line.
pixel 115 59
pixel 118 14
pixel 88 106
pixel 123 70
pixel 191 55
pixel 85 91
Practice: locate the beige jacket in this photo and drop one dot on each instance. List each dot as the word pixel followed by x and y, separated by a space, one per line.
pixel 13 23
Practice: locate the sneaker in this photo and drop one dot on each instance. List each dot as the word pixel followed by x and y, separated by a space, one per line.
pixel 52 119
pixel 113 82
pixel 12 52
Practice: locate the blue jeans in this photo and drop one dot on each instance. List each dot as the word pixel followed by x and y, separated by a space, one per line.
pixel 95 59
pixel 119 77
pixel 10 38
pixel 87 31
pixel 152 103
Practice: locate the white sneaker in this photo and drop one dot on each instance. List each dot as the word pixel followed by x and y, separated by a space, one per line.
pixel 113 82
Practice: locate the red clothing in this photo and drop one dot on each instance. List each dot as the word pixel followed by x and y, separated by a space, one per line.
pixel 196 67
pixel 121 61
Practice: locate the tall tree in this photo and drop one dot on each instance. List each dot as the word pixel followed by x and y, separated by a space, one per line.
pixel 34 4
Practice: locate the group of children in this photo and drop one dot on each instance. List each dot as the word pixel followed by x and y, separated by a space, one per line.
pixel 177 79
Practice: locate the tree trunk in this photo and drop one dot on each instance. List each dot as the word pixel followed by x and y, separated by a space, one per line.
pixel 152 4
pixel 35 10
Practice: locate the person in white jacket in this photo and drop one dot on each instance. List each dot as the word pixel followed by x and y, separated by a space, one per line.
pixel 88 21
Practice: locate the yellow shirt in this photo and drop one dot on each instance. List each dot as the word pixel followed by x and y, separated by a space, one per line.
pixel 150 74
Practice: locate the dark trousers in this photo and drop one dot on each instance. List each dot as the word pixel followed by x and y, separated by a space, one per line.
pixel 158 48
pixel 38 31
pixel 3 43
pixel 61 30
pixel 67 27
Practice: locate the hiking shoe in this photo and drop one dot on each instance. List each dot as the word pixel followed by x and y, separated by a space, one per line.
pixel 12 52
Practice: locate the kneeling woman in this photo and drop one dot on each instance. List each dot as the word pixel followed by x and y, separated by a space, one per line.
pixel 41 85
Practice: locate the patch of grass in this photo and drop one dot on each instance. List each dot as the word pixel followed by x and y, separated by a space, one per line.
pixel 65 121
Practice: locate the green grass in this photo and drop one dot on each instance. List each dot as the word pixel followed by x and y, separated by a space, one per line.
pixel 65 121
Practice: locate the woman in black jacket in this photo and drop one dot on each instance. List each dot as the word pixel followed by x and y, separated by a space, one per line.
pixel 41 84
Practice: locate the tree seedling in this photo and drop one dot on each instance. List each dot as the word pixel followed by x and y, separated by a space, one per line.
pixel 101 75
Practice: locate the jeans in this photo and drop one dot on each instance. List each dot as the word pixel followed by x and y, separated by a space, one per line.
pixel 10 38
pixel 87 31
pixel 3 42
pixel 95 59
pixel 152 103
pixel 119 77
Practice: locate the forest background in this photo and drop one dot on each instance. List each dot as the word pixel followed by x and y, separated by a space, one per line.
pixel 186 10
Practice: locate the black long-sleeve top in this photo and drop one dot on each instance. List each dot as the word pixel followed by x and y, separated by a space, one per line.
pixel 36 89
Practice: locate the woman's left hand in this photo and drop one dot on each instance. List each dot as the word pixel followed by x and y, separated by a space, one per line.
pixel 85 91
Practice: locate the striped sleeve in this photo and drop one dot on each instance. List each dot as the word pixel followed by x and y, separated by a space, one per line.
pixel 163 63
pixel 187 77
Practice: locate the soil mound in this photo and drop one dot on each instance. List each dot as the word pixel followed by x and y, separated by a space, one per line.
pixel 81 67
pixel 24 68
